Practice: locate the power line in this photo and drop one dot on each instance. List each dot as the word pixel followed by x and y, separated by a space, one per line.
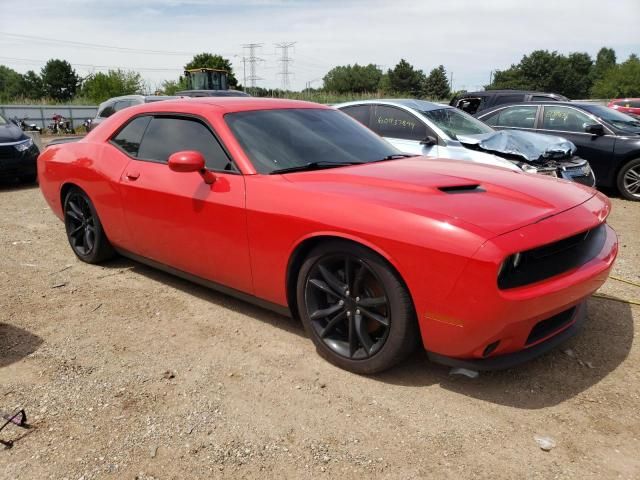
pixel 253 60
pixel 112 67
pixel 285 59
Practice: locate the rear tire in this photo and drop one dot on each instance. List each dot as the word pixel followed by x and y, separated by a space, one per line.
pixel 84 230
pixel 355 308
pixel 628 180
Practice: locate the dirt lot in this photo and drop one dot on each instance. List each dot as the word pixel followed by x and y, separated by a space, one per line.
pixel 126 372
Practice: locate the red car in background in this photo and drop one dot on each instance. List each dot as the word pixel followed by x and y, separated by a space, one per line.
pixel 300 208
pixel 626 105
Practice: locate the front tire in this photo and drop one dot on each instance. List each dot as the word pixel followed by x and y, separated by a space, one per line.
pixel 84 230
pixel 628 180
pixel 355 308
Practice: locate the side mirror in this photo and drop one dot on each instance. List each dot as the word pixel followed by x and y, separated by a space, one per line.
pixel 429 141
pixel 594 128
pixel 191 161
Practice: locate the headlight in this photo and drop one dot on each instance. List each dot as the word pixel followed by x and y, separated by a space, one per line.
pixel 26 145
pixel 510 264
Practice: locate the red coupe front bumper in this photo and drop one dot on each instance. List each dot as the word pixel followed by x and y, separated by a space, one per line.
pixel 495 328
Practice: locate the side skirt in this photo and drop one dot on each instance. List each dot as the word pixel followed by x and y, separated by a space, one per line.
pixel 274 307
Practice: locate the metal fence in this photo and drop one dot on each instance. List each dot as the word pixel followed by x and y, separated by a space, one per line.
pixel 42 115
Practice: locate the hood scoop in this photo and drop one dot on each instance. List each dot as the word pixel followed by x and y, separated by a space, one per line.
pixel 473 188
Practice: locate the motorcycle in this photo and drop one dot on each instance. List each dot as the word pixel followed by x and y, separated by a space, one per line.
pixel 87 124
pixel 61 125
pixel 26 127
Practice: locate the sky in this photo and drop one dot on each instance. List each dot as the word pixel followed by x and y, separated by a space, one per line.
pixel 158 37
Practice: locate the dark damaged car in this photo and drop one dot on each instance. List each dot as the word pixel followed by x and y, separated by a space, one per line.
pixel 440 131
pixel 18 153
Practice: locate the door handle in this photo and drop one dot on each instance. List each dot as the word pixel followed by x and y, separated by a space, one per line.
pixel 132 175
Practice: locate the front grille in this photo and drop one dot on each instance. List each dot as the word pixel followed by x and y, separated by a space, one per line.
pixel 547 327
pixel 553 259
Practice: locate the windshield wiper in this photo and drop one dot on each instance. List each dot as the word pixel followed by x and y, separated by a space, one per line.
pixel 396 156
pixel 313 166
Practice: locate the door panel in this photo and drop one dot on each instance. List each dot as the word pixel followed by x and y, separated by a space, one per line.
pixel 178 220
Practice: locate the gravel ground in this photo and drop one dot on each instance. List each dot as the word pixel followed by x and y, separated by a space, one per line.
pixel 126 372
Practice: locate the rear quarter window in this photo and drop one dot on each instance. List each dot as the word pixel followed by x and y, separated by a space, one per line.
pixel 129 138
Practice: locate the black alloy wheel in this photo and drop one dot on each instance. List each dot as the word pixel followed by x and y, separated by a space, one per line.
pixel 356 310
pixel 84 230
pixel 347 306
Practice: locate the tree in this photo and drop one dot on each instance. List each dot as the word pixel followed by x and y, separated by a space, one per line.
pixel 620 81
pixel 356 78
pixel 549 72
pixel 436 85
pixel 406 79
pixel 170 87
pixel 605 61
pixel 9 83
pixel 101 86
pixel 31 85
pixel 59 80
pixel 209 60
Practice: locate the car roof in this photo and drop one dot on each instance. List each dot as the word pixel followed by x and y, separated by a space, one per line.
pixel 537 102
pixel 233 104
pixel 420 105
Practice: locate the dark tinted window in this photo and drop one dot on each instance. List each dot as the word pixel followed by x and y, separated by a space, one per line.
pixel 395 123
pixel 107 111
pixel 129 137
pixel 470 105
pixel 564 119
pixel 542 98
pixel 518 117
pixel 168 135
pixel 359 112
pixel 277 139
pixel 513 98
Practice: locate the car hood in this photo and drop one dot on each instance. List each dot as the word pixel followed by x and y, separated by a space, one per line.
pixel 493 199
pixel 11 133
pixel 530 146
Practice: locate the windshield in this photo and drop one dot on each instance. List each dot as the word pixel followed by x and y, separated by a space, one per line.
pixel 620 120
pixel 283 139
pixel 453 122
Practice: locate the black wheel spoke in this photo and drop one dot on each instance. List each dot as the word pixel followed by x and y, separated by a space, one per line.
pixel 325 312
pixel 373 302
pixel 360 326
pixel 347 272
pixel 333 323
pixel 88 241
pixel 76 209
pixel 332 280
pixel 320 285
pixel 375 316
pixel 76 231
pixel 74 215
pixel 357 282
pixel 353 336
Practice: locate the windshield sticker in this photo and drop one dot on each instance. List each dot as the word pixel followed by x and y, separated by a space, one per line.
pixel 396 122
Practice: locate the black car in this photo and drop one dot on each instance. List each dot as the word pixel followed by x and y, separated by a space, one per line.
pixel 18 153
pixel 607 139
pixel 476 102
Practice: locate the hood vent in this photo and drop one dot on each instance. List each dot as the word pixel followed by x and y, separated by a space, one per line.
pixel 462 189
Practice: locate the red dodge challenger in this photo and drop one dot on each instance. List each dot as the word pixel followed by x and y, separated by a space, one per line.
pixel 298 207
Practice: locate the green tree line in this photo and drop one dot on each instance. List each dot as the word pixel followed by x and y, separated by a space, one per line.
pixel 576 75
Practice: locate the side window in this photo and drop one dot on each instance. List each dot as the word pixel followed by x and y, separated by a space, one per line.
pixel 107 111
pixel 470 104
pixel 513 98
pixel 130 136
pixel 167 135
pixel 395 123
pixel 517 117
pixel 564 119
pixel 121 104
pixel 360 113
